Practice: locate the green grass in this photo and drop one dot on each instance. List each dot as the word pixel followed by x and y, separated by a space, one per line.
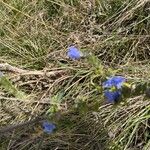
pixel 34 35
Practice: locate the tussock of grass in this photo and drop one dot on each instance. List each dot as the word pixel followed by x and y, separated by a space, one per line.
pixel 128 124
pixel 35 35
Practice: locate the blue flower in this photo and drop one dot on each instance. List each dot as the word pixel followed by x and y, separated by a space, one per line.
pixel 74 53
pixel 112 96
pixel 116 81
pixel 48 127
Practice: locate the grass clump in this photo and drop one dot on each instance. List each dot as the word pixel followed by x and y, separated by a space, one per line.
pixel 35 36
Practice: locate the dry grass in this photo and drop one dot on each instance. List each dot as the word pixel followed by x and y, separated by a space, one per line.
pixel 35 36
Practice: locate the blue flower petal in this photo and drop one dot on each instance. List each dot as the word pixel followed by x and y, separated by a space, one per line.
pixel 116 81
pixel 74 53
pixel 112 96
pixel 48 127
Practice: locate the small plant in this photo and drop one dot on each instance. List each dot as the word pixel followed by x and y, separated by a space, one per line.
pixel 80 100
pixel 6 84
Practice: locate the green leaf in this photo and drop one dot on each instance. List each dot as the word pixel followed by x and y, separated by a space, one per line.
pixel 53 109
pixel 10 88
pixel 95 62
pixel 57 98
pixel 138 88
pixel 82 107
pixel 55 103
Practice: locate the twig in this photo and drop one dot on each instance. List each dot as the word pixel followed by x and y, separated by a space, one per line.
pixel 7 67
pixel 22 72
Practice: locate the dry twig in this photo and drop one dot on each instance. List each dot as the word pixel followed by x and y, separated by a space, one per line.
pixel 22 72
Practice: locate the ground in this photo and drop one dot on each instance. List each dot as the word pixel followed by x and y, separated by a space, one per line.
pixel 41 83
